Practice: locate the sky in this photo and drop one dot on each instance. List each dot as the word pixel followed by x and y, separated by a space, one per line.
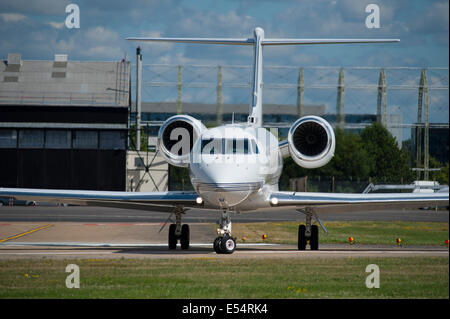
pixel 36 29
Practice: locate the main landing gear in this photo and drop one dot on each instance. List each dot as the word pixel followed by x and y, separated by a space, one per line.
pixel 225 243
pixel 179 232
pixel 309 233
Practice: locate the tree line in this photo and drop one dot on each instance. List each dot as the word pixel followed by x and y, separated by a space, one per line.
pixel 371 155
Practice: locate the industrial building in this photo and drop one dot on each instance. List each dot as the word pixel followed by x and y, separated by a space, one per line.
pixel 63 124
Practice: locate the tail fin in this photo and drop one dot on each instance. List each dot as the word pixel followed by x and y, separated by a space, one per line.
pixel 258 41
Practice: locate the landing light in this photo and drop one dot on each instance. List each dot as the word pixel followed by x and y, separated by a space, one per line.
pixel 199 200
pixel 274 201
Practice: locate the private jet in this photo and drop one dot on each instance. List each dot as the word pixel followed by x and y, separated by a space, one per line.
pixel 235 168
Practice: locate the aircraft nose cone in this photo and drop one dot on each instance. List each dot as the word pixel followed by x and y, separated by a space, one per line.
pixel 225 195
pixel 226 187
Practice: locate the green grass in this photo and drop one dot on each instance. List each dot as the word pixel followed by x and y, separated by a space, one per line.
pixel 412 277
pixel 363 232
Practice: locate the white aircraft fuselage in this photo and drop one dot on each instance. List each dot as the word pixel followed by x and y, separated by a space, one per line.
pixel 235 166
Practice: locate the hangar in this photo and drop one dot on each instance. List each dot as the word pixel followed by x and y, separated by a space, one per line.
pixel 63 124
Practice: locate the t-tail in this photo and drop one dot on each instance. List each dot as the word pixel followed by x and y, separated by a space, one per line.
pixel 258 42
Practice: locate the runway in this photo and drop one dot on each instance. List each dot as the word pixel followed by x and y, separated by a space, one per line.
pixel 143 240
pixel 115 215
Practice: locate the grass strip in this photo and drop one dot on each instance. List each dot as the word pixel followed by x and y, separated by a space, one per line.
pixel 411 277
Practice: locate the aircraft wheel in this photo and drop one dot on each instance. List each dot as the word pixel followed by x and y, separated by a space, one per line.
pixel 314 240
pixel 228 244
pixel 216 245
pixel 185 234
pixel 301 237
pixel 172 237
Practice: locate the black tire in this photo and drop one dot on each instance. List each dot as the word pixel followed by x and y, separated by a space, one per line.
pixel 301 237
pixel 216 245
pixel 227 244
pixel 314 240
pixel 185 234
pixel 172 237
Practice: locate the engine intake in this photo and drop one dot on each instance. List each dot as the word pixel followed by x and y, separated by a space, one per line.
pixel 311 142
pixel 176 138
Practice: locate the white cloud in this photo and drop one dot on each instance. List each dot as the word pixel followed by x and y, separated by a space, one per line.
pixel 35 6
pixel 56 25
pixel 434 22
pixel 154 47
pixel 38 32
pixel 12 17
pixel 214 24
pixel 101 34
pixel 103 52
pixel 65 45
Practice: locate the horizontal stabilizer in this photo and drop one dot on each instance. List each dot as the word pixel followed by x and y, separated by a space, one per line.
pixel 249 41
pixel 324 41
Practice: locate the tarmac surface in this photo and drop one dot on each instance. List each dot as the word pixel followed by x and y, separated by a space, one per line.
pixel 87 232
pixel 115 215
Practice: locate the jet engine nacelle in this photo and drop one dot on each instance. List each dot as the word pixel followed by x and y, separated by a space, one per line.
pixel 176 138
pixel 311 142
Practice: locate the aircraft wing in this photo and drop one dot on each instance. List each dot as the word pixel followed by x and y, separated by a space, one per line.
pixel 151 201
pixel 347 202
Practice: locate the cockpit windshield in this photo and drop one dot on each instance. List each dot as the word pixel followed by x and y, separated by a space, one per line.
pixel 236 146
pixel 242 146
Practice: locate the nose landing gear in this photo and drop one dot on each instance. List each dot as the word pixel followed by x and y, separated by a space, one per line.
pixel 225 243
